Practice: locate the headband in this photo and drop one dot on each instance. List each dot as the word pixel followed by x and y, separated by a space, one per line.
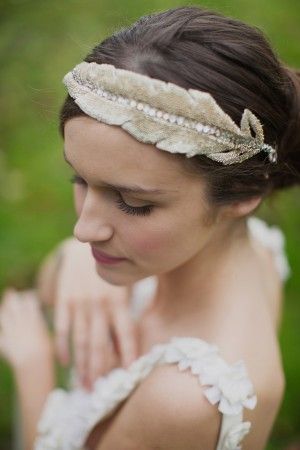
pixel 173 118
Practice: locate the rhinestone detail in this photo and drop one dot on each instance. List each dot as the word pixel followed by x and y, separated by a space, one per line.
pixel 240 143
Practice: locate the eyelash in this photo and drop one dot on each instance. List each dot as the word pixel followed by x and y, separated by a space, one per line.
pixel 139 211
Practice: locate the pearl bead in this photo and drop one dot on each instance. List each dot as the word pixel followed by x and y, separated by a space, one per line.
pixel 180 120
pixel 240 147
pixel 199 127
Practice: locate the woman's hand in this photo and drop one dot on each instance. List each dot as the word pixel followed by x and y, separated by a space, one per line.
pixel 24 337
pixel 94 313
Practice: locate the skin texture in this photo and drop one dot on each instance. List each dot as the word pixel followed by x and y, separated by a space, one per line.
pixel 30 355
pixel 199 253
pixel 212 284
pixel 172 241
pixel 68 283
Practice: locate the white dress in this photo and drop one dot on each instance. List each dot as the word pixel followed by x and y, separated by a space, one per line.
pixel 69 416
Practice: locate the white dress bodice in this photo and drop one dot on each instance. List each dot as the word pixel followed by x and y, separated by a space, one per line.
pixel 69 416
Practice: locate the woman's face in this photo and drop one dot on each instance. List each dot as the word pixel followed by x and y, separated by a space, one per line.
pixel 155 231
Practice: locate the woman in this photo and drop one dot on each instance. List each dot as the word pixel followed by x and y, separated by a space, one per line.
pixel 209 93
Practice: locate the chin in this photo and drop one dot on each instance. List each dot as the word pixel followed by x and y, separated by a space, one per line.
pixel 111 277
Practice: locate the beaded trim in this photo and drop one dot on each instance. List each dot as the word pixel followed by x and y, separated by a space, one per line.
pixel 236 144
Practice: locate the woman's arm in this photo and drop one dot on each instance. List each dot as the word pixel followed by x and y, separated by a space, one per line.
pixel 166 411
pixel 26 344
pixel 34 381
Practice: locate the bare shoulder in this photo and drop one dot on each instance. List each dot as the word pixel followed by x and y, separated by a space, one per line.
pixel 167 410
pixel 172 397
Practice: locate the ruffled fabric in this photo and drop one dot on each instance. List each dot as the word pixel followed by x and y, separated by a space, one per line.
pixel 68 417
pixel 273 238
pixel 228 385
pixel 235 435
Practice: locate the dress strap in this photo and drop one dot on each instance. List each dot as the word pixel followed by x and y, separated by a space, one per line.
pixel 273 238
pixel 226 385
pixel 233 430
pixel 68 417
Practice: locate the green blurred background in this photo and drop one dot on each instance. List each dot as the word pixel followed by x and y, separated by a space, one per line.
pixel 39 42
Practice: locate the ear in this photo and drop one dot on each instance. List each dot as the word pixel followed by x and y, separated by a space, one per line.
pixel 243 208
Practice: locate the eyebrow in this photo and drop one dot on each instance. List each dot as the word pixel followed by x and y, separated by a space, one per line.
pixel 128 189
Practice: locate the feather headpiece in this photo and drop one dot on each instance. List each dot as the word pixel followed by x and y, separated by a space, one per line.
pixel 173 118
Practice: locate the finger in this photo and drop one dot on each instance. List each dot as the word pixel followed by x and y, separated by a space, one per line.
pixel 30 298
pixel 31 303
pixel 7 291
pixel 13 302
pixel 99 342
pixel 126 335
pixel 80 340
pixel 62 321
pixel 5 318
pixel 8 294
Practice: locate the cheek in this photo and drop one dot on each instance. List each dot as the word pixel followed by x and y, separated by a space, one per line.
pixel 173 238
pixel 148 241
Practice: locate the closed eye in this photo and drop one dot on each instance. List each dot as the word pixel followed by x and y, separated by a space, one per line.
pixel 128 209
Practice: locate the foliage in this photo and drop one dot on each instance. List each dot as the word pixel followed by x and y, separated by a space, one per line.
pixel 40 41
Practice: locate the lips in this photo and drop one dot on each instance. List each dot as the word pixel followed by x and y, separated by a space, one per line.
pixel 105 257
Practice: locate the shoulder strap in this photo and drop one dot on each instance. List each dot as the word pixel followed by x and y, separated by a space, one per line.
pixel 232 431
pixel 273 238
pixel 226 385
pixel 68 417
pixel 142 294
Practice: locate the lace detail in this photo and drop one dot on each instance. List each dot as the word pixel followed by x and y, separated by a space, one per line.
pixel 273 238
pixel 68 417
pixel 235 435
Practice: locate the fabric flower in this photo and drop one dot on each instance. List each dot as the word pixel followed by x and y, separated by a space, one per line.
pixel 190 352
pixel 232 389
pixel 54 402
pixel 273 238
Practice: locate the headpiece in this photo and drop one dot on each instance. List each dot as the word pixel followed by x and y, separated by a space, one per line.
pixel 175 119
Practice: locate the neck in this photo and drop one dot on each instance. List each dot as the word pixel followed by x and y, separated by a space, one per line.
pixel 189 288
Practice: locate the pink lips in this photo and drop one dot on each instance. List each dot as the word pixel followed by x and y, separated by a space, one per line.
pixel 105 258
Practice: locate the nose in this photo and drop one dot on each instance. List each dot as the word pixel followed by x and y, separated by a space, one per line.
pixel 91 225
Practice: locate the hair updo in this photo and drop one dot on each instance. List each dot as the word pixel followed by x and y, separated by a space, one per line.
pixel 201 49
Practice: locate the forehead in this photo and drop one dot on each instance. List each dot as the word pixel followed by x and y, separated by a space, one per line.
pixel 108 151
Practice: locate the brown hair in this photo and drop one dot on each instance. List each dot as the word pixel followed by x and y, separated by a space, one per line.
pixel 201 49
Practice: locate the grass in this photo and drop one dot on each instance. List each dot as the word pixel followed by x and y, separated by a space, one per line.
pixel 39 43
